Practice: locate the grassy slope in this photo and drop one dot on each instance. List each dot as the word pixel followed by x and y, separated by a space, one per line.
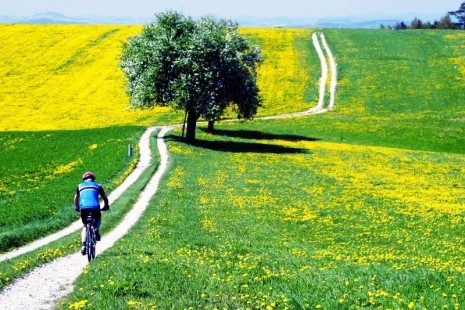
pixel 361 207
pixel 19 266
pixel 40 171
pixel 398 89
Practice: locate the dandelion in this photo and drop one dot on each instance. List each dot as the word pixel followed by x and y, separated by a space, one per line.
pixel 79 304
pixel 92 147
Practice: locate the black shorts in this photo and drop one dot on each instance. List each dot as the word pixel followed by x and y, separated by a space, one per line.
pixel 96 215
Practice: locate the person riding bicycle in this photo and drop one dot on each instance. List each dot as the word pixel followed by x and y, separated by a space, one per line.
pixel 86 200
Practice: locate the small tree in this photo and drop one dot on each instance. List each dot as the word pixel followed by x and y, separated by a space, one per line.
pixel 428 25
pixel 460 15
pixel 416 24
pixel 400 26
pixel 200 67
pixel 445 23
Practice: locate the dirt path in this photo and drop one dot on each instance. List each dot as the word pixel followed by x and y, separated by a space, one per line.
pixel 46 285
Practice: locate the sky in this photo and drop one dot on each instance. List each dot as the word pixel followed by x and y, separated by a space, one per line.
pixel 234 8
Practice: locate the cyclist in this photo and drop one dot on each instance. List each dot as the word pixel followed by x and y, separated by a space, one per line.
pixel 86 200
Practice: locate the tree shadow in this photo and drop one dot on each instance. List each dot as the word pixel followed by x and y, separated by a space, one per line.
pixel 243 147
pixel 258 135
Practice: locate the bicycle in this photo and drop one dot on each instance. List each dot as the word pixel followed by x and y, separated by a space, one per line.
pixel 91 238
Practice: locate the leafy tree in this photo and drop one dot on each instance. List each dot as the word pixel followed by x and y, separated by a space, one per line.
pixel 200 67
pixel 460 15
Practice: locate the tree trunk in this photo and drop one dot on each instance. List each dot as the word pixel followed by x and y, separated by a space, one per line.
pixel 210 126
pixel 192 118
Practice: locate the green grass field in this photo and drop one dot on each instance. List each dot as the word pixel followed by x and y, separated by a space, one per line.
pixel 359 208
pixel 16 267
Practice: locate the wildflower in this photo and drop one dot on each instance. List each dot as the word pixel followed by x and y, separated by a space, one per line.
pixel 78 305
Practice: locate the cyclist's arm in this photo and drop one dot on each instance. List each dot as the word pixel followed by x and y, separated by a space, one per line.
pixel 105 198
pixel 76 200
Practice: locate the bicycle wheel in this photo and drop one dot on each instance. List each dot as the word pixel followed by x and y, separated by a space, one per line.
pixel 89 242
pixel 93 242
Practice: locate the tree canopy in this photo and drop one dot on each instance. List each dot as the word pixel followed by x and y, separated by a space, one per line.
pixel 460 15
pixel 197 66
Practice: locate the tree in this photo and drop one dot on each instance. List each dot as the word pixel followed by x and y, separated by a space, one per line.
pixel 400 26
pixel 200 67
pixel 427 25
pixel 416 24
pixel 460 15
pixel 445 23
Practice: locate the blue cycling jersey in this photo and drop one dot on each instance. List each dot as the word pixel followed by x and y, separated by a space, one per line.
pixel 88 192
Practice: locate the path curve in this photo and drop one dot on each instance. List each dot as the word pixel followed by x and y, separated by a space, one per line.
pixel 319 108
pixel 46 285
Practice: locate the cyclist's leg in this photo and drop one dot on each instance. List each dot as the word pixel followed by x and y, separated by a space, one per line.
pixel 97 216
pixel 84 214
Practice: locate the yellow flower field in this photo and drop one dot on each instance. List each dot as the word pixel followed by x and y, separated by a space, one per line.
pixel 64 77
pixel 287 74
pixel 359 208
pixel 67 77
pixel 459 62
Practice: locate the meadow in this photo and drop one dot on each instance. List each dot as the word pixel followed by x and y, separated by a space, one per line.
pixel 361 207
pixel 64 111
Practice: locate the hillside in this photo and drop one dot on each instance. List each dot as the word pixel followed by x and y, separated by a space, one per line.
pixel 361 207
pixel 348 209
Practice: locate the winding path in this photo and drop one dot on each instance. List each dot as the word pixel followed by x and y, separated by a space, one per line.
pixel 46 285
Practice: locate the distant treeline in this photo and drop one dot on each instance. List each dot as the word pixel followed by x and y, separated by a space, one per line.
pixel 444 22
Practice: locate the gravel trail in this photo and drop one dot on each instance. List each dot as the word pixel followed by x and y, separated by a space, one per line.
pixel 46 285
